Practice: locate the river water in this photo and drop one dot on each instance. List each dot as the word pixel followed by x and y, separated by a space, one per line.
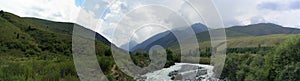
pixel 180 72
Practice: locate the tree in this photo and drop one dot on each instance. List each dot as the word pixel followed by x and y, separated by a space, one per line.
pixel 1 13
pixel 170 58
pixel 107 52
pixel 285 61
pixel 169 54
pixel 280 64
pixel 18 35
pixel 29 28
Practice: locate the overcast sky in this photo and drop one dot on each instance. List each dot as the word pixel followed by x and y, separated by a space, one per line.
pixel 89 14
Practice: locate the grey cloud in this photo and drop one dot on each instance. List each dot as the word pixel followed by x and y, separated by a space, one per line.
pixel 38 9
pixel 270 6
pixel 257 19
pixel 33 14
pixel 295 5
pixel 279 6
pixel 57 15
pixel 231 22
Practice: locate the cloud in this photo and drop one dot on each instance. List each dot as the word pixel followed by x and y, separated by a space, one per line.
pixel 164 15
pixel 168 13
pixel 237 12
pixel 280 6
pixel 295 5
pixel 258 19
pixel 56 10
pixel 271 6
pixel 130 24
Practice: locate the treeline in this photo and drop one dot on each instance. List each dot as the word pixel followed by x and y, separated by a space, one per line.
pixel 206 52
pixel 280 63
pixel 143 60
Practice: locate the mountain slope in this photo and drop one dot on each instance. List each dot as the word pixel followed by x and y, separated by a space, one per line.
pixel 40 50
pixel 65 28
pixel 166 38
pixel 38 35
pixel 237 32
pixel 263 29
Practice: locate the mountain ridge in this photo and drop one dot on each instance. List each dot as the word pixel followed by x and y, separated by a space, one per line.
pixel 38 35
pixel 260 29
pixel 167 37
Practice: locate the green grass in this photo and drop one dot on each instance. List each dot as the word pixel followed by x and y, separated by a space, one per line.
pixel 254 41
pixel 40 50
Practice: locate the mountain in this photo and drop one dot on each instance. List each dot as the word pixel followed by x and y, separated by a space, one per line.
pixel 166 38
pixel 66 28
pixel 26 35
pixel 261 29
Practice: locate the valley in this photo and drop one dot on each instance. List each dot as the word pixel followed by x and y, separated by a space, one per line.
pixel 34 49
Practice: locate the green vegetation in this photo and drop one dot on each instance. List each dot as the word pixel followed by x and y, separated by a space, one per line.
pixel 280 63
pixel 36 69
pixel 40 50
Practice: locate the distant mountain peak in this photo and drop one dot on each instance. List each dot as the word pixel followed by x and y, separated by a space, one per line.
pixel 199 27
pixel 166 38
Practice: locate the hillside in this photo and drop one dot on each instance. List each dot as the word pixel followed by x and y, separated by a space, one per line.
pixel 39 34
pixel 250 41
pixel 263 29
pixel 236 35
pixel 40 50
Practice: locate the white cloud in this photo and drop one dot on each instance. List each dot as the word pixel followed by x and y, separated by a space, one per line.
pixel 244 12
pixel 168 13
pixel 56 10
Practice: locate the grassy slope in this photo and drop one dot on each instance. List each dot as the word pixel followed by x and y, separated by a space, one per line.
pixel 254 41
pixel 28 41
pixel 247 41
pixel 263 29
pixel 263 34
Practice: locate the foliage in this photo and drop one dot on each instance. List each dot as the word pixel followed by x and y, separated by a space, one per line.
pixel 40 50
pixel 279 64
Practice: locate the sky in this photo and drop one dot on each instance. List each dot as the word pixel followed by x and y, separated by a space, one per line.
pixel 132 19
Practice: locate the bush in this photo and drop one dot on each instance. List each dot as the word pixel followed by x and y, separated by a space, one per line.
pixel 1 13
